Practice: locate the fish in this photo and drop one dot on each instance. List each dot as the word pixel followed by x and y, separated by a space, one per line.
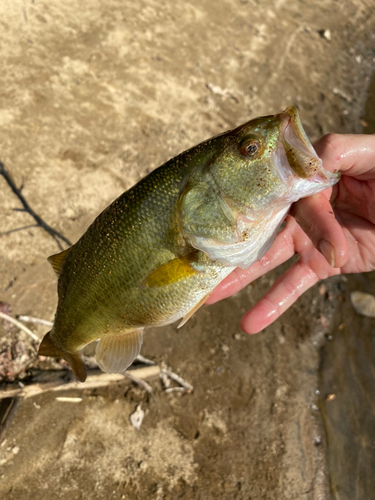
pixel 156 253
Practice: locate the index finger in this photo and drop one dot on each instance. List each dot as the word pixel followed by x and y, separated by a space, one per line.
pixel 352 154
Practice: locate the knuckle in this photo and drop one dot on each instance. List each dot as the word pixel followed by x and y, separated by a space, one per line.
pixel 331 140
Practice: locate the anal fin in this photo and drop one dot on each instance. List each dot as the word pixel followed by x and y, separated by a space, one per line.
pixel 115 353
pixel 192 311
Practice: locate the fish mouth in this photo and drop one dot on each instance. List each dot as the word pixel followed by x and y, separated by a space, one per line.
pixel 300 154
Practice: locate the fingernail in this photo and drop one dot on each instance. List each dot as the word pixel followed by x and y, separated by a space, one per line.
pixel 327 250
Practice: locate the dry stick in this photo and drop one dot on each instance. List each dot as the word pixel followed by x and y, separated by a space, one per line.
pixel 40 222
pixel 178 379
pixel 165 379
pixel 169 390
pixel 92 382
pixel 19 325
pixel 8 418
pixel 31 319
pixel 144 360
pixel 22 228
pixel 139 381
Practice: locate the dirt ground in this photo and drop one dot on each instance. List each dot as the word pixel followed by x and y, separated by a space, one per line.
pixel 94 95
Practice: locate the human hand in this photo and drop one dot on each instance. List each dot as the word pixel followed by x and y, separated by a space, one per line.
pixel 333 232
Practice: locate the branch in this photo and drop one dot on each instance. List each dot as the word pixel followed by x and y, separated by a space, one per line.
pixel 19 325
pixel 26 208
pixel 92 382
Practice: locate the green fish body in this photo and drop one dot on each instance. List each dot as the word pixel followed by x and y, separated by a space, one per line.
pixel 157 252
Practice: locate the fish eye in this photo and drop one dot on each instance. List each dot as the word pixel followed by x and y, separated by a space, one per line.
pixel 251 148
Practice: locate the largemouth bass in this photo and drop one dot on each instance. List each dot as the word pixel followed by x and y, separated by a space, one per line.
pixel 157 252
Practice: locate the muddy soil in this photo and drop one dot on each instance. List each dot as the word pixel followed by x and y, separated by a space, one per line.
pixel 95 95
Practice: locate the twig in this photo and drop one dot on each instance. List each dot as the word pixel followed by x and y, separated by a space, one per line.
pixel 63 399
pixel 9 415
pixel 22 228
pixel 40 222
pixel 178 379
pixel 175 389
pixel 92 382
pixel 31 319
pixel 19 325
pixel 165 379
pixel 139 381
pixel 144 360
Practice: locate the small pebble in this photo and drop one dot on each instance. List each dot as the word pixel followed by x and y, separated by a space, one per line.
pixel 137 417
pixel 325 34
pixel 363 303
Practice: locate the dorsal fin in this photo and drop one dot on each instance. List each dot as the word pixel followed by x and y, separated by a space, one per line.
pixel 57 260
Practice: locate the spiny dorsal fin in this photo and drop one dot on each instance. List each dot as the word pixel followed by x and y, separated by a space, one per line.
pixel 115 353
pixel 172 271
pixel 57 260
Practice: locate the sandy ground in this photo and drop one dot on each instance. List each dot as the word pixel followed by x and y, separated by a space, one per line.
pixel 94 95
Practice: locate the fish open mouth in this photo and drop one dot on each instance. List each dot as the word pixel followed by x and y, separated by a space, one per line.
pixel 300 154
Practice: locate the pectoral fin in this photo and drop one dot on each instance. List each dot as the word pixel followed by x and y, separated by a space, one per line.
pixel 195 309
pixel 115 353
pixel 172 271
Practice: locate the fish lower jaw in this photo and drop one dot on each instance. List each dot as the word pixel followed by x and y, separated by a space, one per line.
pixel 301 186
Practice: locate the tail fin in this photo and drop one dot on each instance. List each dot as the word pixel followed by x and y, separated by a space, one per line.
pixel 48 348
